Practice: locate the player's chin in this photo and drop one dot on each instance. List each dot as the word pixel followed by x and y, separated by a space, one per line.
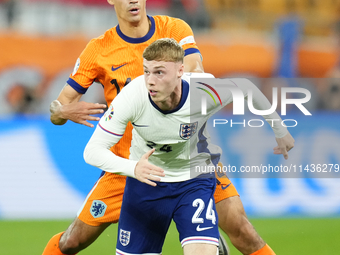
pixel 134 18
pixel 157 99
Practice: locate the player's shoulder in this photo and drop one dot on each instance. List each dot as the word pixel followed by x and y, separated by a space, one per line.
pixel 104 40
pixel 165 18
pixel 167 21
pixel 188 76
pixel 137 82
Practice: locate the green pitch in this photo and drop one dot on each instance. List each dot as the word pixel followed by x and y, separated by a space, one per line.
pixel 285 236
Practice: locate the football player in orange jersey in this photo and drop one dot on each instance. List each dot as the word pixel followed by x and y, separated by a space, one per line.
pixel 114 59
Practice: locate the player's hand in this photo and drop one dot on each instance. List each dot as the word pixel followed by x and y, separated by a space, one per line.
pixel 285 144
pixel 147 172
pixel 80 112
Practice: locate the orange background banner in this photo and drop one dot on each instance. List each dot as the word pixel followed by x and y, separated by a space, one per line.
pixel 53 55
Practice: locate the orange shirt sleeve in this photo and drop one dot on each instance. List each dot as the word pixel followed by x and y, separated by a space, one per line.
pixel 86 69
pixel 183 34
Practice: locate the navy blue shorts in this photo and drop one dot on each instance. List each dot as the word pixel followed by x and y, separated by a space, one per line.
pixel 147 212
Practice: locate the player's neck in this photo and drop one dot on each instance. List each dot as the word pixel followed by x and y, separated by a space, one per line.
pixel 136 29
pixel 173 100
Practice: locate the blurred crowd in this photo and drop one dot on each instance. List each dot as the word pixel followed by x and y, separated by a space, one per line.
pixel 87 17
pixel 55 18
pixel 320 18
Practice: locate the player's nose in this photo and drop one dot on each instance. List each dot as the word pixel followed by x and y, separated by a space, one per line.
pixel 134 1
pixel 151 80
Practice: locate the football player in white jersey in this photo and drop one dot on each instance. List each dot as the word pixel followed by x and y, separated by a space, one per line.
pixel 167 142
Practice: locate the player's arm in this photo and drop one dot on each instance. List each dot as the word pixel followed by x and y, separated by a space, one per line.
pixel 67 107
pixel 193 63
pixel 284 139
pixel 111 127
pixel 97 153
pixel 183 33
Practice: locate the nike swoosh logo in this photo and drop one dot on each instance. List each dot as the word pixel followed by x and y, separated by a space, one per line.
pixel 114 69
pixel 139 125
pixel 225 186
pixel 202 229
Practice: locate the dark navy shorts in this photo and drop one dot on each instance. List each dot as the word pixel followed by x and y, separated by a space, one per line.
pixel 147 212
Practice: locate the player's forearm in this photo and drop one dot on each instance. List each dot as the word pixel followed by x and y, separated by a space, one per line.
pixel 56 113
pixel 193 64
pixel 260 102
pixel 107 161
pixel 194 68
pixel 97 153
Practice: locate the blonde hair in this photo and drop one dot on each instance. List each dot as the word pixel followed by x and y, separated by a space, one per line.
pixel 165 49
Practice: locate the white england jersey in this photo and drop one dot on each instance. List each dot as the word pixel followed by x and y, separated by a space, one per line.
pixel 174 134
pixel 179 136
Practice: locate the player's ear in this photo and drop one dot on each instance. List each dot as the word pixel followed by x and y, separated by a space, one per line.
pixel 181 70
pixel 111 2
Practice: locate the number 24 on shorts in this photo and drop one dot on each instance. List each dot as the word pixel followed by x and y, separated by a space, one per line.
pixel 210 214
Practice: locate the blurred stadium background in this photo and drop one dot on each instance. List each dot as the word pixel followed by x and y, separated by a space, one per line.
pixel 43 178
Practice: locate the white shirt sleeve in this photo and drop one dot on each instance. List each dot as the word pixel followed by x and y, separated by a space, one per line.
pixel 97 153
pixel 111 128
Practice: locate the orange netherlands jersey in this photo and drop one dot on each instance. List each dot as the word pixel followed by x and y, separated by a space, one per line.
pixel 114 59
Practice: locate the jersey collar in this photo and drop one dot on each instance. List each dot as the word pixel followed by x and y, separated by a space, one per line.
pixel 184 96
pixel 141 39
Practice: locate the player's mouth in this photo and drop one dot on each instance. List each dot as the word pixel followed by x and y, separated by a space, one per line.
pixel 134 10
pixel 152 93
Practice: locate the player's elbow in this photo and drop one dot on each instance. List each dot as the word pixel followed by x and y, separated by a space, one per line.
pixel 57 121
pixel 55 109
pixel 88 154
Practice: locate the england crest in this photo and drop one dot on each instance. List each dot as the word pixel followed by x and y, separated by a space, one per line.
pixel 187 130
pixel 124 237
